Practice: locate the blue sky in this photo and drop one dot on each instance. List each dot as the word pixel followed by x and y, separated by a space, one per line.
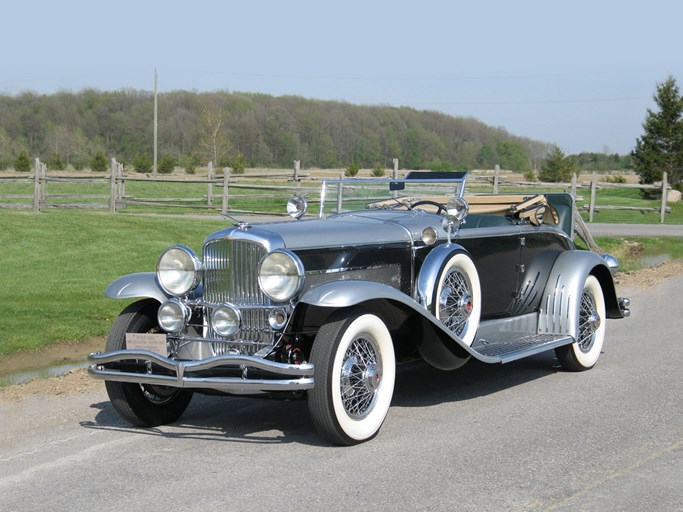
pixel 579 74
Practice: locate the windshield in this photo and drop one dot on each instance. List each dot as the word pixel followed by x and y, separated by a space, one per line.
pixel 343 195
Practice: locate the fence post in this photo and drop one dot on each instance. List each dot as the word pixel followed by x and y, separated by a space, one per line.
pixel 496 177
pixel 297 168
pixel 591 207
pixel 112 187
pixel 36 186
pixel 395 192
pixel 574 187
pixel 122 183
pixel 665 186
pixel 226 180
pixel 43 175
pixel 340 191
pixel 209 191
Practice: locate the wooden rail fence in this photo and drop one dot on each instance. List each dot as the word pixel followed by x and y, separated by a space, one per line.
pixel 232 187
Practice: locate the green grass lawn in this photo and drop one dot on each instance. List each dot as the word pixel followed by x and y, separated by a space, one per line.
pixel 56 266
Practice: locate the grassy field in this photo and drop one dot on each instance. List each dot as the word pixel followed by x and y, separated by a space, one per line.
pixel 56 265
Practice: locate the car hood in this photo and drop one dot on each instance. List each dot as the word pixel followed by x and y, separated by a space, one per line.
pixel 347 229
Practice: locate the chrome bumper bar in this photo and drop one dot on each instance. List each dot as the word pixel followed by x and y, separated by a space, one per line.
pixel 297 377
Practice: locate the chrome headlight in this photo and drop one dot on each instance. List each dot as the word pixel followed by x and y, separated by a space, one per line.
pixel 225 320
pixel 173 316
pixel 178 270
pixel 281 275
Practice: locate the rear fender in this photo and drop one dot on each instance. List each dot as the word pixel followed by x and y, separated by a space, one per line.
pixel 559 309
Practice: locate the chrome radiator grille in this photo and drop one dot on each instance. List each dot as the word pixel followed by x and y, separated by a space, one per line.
pixel 231 272
pixel 231 275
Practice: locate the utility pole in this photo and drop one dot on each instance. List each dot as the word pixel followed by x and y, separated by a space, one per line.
pixel 156 122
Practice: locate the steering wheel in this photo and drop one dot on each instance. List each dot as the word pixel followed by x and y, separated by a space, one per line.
pixel 439 206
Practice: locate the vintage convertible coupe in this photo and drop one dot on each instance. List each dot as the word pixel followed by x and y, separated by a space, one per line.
pixel 326 306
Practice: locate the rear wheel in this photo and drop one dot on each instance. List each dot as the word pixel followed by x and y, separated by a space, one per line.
pixel 585 351
pixel 142 405
pixel 355 371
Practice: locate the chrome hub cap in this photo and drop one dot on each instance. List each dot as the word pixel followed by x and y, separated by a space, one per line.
pixel 589 322
pixel 361 376
pixel 455 302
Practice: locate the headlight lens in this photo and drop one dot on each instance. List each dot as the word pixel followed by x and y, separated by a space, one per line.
pixel 178 270
pixel 281 275
pixel 173 316
pixel 225 320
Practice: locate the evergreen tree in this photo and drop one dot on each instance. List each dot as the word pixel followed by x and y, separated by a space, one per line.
pixel 556 167
pixel 660 148
pixel 22 163
pixel 99 162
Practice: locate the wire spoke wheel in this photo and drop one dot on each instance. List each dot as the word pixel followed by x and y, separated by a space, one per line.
pixel 589 322
pixel 590 329
pixel 457 300
pixel 360 377
pixel 355 371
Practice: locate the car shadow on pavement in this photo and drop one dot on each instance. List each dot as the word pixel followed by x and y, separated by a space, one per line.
pixel 266 421
pixel 420 385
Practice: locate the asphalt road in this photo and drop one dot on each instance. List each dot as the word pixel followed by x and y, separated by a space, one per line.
pixel 598 229
pixel 525 436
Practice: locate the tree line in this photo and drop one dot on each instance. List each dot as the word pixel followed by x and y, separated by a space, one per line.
pixel 77 130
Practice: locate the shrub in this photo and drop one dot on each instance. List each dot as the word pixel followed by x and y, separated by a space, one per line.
pixel 352 170
pixel 142 164
pixel 189 163
pixel 556 167
pixel 22 163
pixel 378 171
pixel 98 162
pixel 239 164
pixel 55 162
pixel 617 178
pixel 530 175
pixel 166 164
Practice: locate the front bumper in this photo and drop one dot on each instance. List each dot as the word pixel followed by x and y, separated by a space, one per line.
pixel 227 373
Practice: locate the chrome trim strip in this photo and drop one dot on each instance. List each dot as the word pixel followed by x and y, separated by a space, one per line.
pixel 301 375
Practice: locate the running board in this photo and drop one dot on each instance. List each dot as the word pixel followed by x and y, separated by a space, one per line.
pixel 505 347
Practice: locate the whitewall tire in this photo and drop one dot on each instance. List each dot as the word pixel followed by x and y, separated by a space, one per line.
pixel 355 372
pixel 457 298
pixel 585 351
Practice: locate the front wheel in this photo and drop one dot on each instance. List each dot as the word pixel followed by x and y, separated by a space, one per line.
pixel 457 298
pixel 142 405
pixel 355 371
pixel 585 351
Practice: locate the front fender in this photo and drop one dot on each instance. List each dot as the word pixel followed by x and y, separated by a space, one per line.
pixel 142 284
pixel 431 268
pixel 438 346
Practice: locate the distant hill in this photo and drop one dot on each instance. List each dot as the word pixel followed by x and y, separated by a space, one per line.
pixel 68 128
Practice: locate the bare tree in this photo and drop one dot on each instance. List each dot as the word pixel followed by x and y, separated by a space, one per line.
pixel 213 142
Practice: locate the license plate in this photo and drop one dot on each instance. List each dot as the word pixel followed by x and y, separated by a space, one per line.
pixel 143 341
